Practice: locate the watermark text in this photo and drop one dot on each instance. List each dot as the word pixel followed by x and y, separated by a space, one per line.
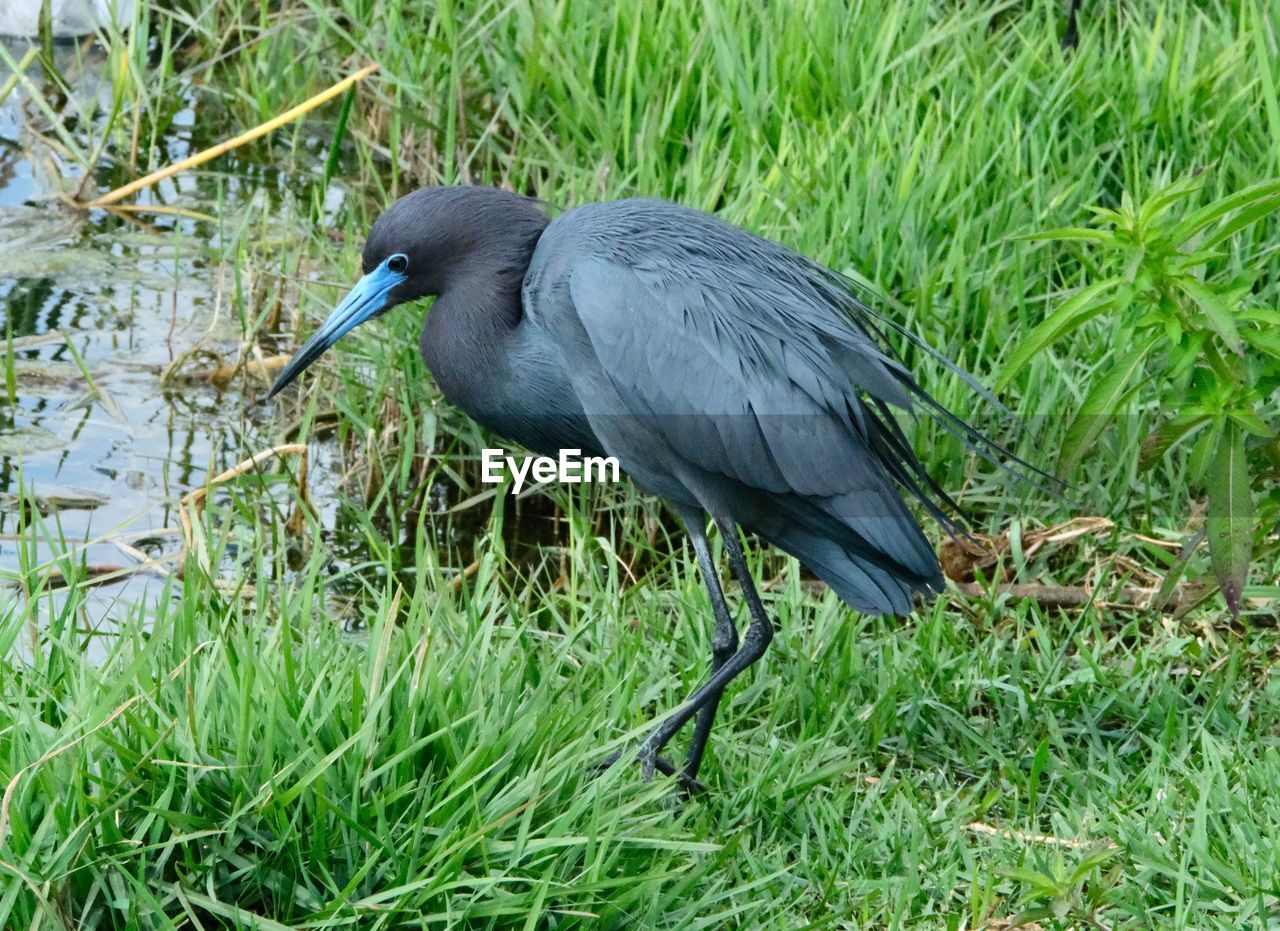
pixel 571 468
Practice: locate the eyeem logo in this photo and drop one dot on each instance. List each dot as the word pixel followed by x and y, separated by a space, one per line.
pixel 572 468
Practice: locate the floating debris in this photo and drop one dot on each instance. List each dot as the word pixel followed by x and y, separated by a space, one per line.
pixel 50 500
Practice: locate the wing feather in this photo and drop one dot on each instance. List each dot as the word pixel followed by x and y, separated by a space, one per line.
pixel 741 404
pixel 703 354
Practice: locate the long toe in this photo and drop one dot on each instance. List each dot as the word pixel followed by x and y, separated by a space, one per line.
pixel 608 762
pixel 688 785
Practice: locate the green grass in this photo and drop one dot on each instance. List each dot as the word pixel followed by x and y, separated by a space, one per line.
pixel 250 759
pixel 239 760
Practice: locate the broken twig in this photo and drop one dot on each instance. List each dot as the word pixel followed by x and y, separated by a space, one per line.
pixel 223 147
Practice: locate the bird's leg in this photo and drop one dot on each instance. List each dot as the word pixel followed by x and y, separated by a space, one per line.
pixel 754 643
pixel 724 642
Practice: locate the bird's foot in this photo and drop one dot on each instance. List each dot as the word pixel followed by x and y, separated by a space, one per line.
pixel 649 763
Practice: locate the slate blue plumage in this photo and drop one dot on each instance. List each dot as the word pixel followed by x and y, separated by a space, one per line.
pixel 729 375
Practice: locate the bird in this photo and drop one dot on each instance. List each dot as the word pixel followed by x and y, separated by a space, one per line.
pixel 734 378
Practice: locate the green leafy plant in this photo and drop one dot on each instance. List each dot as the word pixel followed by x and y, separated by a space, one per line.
pixel 1197 339
pixel 1060 891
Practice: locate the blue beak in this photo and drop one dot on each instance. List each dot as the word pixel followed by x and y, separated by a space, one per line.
pixel 366 299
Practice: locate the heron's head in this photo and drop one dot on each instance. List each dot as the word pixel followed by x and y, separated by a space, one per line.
pixel 422 245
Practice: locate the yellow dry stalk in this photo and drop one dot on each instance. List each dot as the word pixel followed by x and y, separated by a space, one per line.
pixel 222 147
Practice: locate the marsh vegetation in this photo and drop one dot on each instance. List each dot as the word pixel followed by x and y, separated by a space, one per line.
pixel 355 686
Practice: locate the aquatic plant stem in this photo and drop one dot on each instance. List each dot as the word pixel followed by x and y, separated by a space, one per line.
pixel 222 147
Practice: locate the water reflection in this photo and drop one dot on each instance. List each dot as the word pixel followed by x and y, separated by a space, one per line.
pixel 119 299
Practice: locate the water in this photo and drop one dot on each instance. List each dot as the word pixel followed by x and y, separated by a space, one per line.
pixel 109 455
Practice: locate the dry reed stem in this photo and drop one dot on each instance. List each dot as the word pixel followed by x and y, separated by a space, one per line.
pixel 106 573
pixel 223 147
pixel 7 88
pixel 977 827
pixel 25 342
pixel 194 499
pixel 455 583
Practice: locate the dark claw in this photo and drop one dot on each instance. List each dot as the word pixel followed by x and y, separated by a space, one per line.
pixel 688 785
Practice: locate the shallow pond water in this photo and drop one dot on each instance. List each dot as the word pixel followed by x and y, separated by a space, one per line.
pixel 99 307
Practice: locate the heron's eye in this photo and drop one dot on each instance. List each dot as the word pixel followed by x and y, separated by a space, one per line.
pixel 398 263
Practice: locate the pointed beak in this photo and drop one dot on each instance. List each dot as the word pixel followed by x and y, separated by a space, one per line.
pixel 366 299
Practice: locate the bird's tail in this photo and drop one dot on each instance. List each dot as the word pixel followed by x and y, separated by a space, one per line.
pixel 885 436
pixel 865 545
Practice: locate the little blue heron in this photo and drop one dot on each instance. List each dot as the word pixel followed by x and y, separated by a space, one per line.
pixel 728 375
